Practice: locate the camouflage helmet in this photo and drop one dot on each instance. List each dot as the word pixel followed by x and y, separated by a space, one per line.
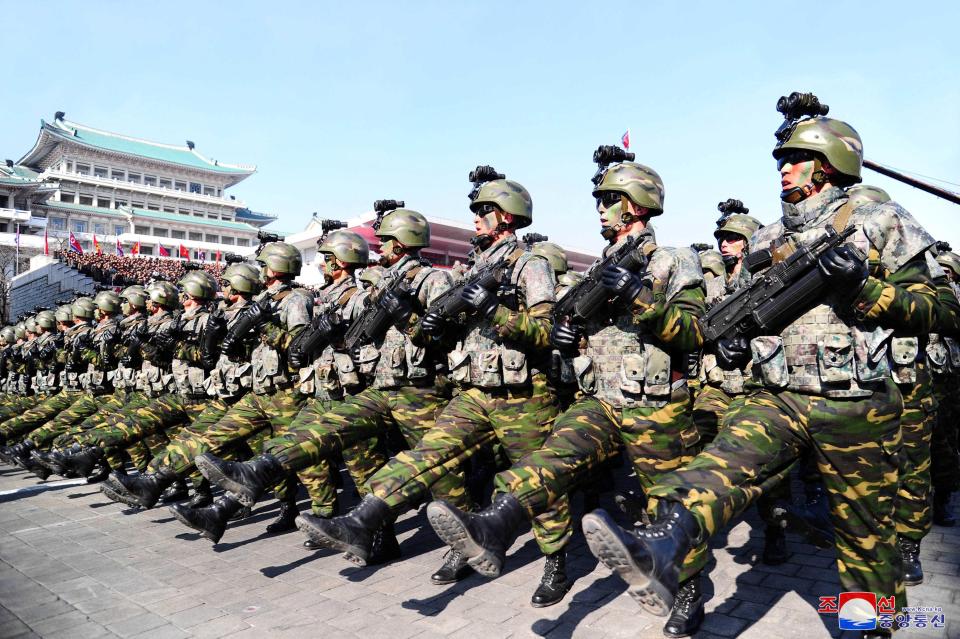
pixel 199 285
pixel 641 184
pixel 30 324
pixel 163 294
pixel 346 246
pixel 281 257
pixel 107 302
pixel 864 193
pixel 47 320
pixel 242 278
pixel 135 295
pixel 712 262
pixel 8 335
pixel 510 197
pixel 741 224
pixel 406 226
pixel 19 331
pixel 83 308
pixel 372 275
pixel 834 139
pixel 65 313
pixel 950 260
pixel 554 254
pixel 570 278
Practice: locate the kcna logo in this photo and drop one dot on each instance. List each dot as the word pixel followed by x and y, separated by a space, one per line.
pixel 858 610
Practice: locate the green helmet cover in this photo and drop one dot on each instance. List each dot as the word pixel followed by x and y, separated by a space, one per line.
pixel 346 246
pixel 510 197
pixel 372 275
pixel 836 140
pixel 19 331
pixel 406 226
pixel 83 308
pixel 8 334
pixel 861 194
pixel 712 262
pixel 741 224
pixel 950 260
pixel 163 294
pixel 281 257
pixel 554 254
pixel 30 324
pixel 65 313
pixel 641 184
pixel 47 320
pixel 107 301
pixel 199 285
pixel 136 295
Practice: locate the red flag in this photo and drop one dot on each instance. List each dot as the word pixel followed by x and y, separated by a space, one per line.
pixel 218 256
pixel 625 140
pixel 136 248
pixel 46 247
pixel 74 244
pixel 163 251
pixel 96 245
pixel 184 252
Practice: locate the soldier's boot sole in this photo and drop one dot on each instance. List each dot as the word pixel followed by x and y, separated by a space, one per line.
pixel 121 498
pixel 604 540
pixel 454 533
pixel 177 510
pixel 353 553
pixel 237 490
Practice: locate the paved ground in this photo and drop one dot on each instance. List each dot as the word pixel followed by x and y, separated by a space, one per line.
pixel 74 565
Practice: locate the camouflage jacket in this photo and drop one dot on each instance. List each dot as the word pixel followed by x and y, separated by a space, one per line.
pixel 402 358
pixel 124 376
pixel 639 356
pixel 514 345
pixel 101 356
pixel 333 373
pixel 844 349
pixel 155 377
pixel 231 378
pixel 729 381
pixel 47 379
pixel 943 346
pixel 189 374
pixel 71 356
pixel 290 312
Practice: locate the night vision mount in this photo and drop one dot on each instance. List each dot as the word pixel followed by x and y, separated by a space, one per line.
pixel 481 175
pixel 382 207
pixel 605 155
pixel 730 207
pixel 794 108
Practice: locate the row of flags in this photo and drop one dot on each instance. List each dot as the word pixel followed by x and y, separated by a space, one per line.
pixel 163 251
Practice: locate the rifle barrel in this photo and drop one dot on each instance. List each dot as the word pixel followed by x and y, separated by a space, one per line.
pixel 906 179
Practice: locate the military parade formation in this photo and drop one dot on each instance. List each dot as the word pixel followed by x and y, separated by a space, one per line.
pixel 821 348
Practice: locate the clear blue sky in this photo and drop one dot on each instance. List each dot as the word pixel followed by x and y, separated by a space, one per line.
pixel 339 104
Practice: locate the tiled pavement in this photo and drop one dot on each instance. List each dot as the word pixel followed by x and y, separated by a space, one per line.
pixel 74 565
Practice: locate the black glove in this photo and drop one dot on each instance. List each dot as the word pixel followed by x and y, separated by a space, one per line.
pixel 844 269
pixel 433 324
pixel 397 306
pixel 566 337
pixel 624 284
pixel 330 325
pixel 482 301
pixel 733 353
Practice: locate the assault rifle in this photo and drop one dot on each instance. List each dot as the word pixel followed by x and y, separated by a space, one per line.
pixel 375 319
pixel 588 298
pixel 450 304
pixel 777 296
pixel 324 329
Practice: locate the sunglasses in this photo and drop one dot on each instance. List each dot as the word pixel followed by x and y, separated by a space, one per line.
pixel 609 198
pixel 794 157
pixel 486 209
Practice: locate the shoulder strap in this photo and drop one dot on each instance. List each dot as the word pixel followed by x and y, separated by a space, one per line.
pixel 346 295
pixel 282 294
pixel 842 218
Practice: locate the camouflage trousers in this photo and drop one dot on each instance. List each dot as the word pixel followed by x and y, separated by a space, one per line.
pixel 913 507
pixel 85 405
pixel 35 417
pixel 361 459
pixel 656 440
pixel 13 405
pixel 520 419
pixel 944 457
pixel 855 443
pixel 356 420
pixel 252 415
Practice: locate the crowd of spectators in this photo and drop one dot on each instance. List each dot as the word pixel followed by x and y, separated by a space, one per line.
pixel 119 271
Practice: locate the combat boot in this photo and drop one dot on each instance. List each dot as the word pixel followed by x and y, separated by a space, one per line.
pixel 649 559
pixel 912 570
pixel 385 546
pixel 775 551
pixel 632 505
pixel 687 612
pixel 202 495
pixel 454 568
pixel 211 521
pixel 19 454
pixel 36 468
pixel 812 519
pixel 941 509
pixel 83 462
pixel 141 491
pixel 352 533
pixel 484 537
pixel 177 491
pixel 554 584
pixel 287 518
pixel 246 480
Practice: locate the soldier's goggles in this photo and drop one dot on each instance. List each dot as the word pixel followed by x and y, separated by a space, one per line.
pixel 609 198
pixel 485 209
pixel 794 157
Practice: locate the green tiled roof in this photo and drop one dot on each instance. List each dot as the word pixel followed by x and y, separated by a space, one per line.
pixel 17 174
pixel 182 155
pixel 190 219
pixel 83 208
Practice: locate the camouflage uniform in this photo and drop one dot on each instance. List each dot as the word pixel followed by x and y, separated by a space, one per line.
pixel 47 382
pixel 943 360
pixel 634 391
pixel 827 389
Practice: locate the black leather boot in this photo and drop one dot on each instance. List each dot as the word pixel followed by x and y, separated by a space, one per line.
pixel 140 491
pixel 812 519
pixel 100 472
pixel 352 533
pixel 19 454
pixel 649 559
pixel 912 570
pixel 775 551
pixel 202 495
pixel 177 491
pixel 246 480
pixel 52 459
pixel 483 537
pixel 633 506
pixel 287 518
pixel 687 613
pixel 211 521
pixel 83 462
pixel 942 516
pixel 454 568
pixel 553 585
pixel 385 547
